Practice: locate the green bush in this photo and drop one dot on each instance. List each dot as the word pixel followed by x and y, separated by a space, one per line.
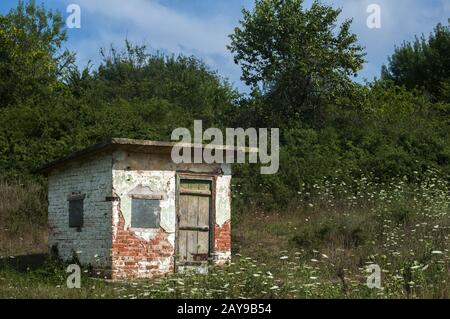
pixel 340 234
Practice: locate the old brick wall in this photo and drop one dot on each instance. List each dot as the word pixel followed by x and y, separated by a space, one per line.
pixel 135 256
pixel 222 235
pixel 141 253
pixel 93 177
pixel 107 240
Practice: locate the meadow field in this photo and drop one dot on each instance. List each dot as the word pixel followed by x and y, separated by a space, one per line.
pixel 318 249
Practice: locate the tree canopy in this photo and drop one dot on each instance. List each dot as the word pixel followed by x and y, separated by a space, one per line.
pixel 31 56
pixel 299 63
pixel 423 64
pixel 299 58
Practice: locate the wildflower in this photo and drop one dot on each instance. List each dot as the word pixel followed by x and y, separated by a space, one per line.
pixel 274 287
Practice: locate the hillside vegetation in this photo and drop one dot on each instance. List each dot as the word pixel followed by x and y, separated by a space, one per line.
pixel 364 168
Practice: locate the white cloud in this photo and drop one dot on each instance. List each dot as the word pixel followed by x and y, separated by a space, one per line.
pixel 163 26
pixel 401 20
pixel 157 26
pixel 205 34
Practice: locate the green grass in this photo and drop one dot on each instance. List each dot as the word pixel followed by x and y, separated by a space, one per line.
pixel 244 278
pixel 333 234
pixel 319 249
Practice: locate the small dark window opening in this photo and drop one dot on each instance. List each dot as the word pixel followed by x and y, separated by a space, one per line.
pixel 145 213
pixel 76 210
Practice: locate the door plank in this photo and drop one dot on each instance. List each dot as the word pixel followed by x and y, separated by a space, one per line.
pixel 193 222
pixel 203 220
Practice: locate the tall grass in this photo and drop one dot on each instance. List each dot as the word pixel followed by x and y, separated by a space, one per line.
pixel 336 230
pixel 318 249
pixel 23 218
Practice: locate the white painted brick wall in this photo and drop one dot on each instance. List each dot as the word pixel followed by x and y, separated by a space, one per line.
pixel 92 177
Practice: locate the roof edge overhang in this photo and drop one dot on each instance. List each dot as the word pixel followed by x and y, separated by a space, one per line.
pixel 135 145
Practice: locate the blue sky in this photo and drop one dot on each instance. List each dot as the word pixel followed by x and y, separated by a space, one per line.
pixel 201 27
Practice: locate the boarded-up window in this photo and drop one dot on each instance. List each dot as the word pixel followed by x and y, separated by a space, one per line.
pixel 76 210
pixel 145 213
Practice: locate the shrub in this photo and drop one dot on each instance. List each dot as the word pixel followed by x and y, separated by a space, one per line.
pixel 340 234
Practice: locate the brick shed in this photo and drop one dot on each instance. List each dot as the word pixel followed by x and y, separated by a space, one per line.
pixel 127 210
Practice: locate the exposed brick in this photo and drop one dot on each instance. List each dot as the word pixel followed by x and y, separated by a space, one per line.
pixel 140 252
pixel 106 242
pixel 222 238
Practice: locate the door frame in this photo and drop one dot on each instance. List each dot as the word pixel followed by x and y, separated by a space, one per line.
pixel 207 177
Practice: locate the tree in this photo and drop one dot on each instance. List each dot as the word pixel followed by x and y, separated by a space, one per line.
pixel 298 58
pixel 185 81
pixel 132 93
pixel 31 57
pixel 423 64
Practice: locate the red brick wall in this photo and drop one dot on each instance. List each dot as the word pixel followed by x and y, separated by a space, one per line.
pixel 134 257
pixel 222 238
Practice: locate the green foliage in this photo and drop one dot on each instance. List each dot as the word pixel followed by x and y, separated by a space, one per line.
pixel 299 62
pixel 31 58
pixel 132 94
pixel 186 82
pixel 423 64
pixel 297 57
pixel 364 169
pixel 328 232
pixel 396 132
